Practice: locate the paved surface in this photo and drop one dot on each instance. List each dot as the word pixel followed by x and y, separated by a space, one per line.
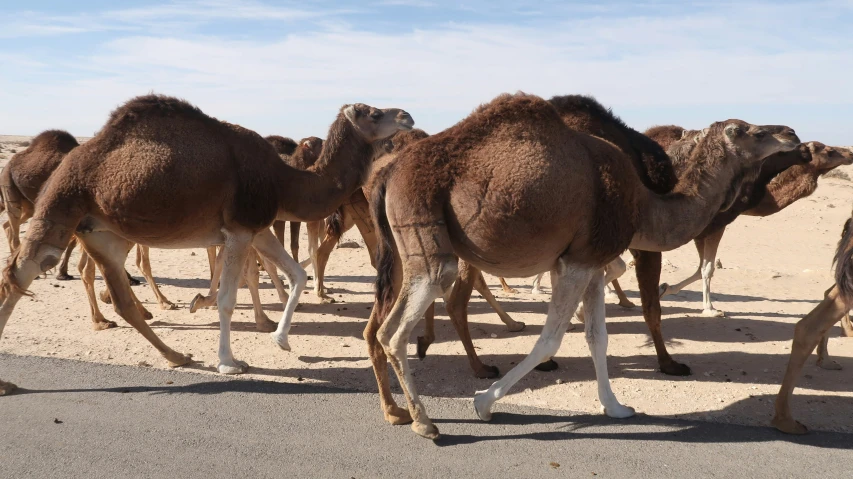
pixel 137 422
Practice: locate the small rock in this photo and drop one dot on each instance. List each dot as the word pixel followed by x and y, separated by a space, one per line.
pixel 554 465
pixel 88 353
pixel 830 205
pixel 775 275
pixel 300 378
pixel 56 421
pixel 559 381
pixel 143 364
pixel 493 335
pixel 170 382
pixel 344 345
pixel 192 253
pixel 719 264
pixel 528 391
pixel 348 244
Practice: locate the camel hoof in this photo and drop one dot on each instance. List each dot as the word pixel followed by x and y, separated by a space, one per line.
pixel 789 426
pixel 133 281
pixel 281 341
pixel 510 290
pixel 482 406
pixel 194 304
pixel 64 277
pixel 674 368
pixel 627 304
pixel 238 367
pixel 264 325
pixel 829 365
pixel 713 313
pixel 547 366
pixel 168 306
pixel 397 416
pixel 326 299
pixel 619 411
pixel 515 326
pixel 487 372
pixel 7 388
pixel 664 290
pixel 423 345
pixel 146 314
pixel 427 430
pixel 103 324
pixel 179 360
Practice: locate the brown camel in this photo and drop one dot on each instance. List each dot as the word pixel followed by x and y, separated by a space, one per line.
pixel 164 174
pixel 356 212
pixel 303 156
pixel 814 326
pixel 20 183
pixel 782 190
pixel 515 191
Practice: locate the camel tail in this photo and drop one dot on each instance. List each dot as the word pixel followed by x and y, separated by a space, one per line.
pixel 844 264
pixel 335 224
pixel 384 251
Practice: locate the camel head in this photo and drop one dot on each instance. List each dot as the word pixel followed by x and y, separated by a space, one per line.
pixel 754 143
pixel 311 148
pixel 375 123
pixel 827 158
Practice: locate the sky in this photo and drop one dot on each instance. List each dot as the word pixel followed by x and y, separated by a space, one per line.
pixel 287 67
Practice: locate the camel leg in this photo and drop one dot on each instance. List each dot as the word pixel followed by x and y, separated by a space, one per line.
pixel 507 288
pixel 211 261
pixel 143 262
pixel 63 275
pixel 294 239
pixel 807 335
pixel 320 261
pixel 262 322
pixel 278 229
pixel 272 271
pixel 86 267
pixel 666 289
pixel 846 326
pixel 393 413
pixel 315 231
pixel 612 272
pixel 712 242
pixel 202 301
pixel 823 360
pixel 537 284
pixel 428 338
pixel 457 308
pixel 235 253
pixel 648 265
pixel 265 243
pixel 568 284
pixel 482 288
pixel 109 251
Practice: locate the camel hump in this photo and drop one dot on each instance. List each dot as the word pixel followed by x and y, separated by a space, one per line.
pixel 59 140
pixel 282 144
pixel 154 106
pixel 844 264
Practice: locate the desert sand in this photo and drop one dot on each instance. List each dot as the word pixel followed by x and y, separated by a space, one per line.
pixel 774 270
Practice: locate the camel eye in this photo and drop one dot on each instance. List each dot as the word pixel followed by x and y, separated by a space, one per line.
pixel 376 114
pixel 761 134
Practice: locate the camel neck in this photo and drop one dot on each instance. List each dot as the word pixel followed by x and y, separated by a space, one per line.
pixel 793 184
pixel 671 220
pixel 315 193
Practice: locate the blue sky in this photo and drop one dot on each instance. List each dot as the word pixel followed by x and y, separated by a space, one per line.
pixel 286 67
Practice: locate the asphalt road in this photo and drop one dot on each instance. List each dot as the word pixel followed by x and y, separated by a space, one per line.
pixel 75 419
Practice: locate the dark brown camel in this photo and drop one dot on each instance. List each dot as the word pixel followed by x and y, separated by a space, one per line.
pixel 164 174
pixel 514 191
pixel 811 329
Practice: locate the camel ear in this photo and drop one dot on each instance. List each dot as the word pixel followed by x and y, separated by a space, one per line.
pixel 733 131
pixel 816 147
pixel 351 114
pixel 684 134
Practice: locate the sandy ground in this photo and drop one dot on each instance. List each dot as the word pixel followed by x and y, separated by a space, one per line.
pixel 774 271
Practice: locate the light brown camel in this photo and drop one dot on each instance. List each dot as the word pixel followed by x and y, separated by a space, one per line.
pixel 814 326
pixel 164 174
pixel 356 212
pixel 20 183
pixel 514 191
pixel 784 189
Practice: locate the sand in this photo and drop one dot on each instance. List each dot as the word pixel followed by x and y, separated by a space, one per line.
pixel 775 270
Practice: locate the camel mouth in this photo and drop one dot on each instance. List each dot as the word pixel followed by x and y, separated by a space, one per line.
pixel 406 127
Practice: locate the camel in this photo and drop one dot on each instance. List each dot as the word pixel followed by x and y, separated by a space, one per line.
pixel 513 191
pixel 784 189
pixel 356 212
pixel 164 174
pixel 810 330
pixel 20 183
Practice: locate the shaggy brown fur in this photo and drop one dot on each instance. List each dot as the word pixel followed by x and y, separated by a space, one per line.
pixel 283 145
pixel 164 174
pixel 665 135
pixel 514 191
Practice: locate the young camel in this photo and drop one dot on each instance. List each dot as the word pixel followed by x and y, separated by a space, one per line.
pixel 164 174
pixel 515 191
pixel 784 189
pixel 20 183
pixel 813 327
